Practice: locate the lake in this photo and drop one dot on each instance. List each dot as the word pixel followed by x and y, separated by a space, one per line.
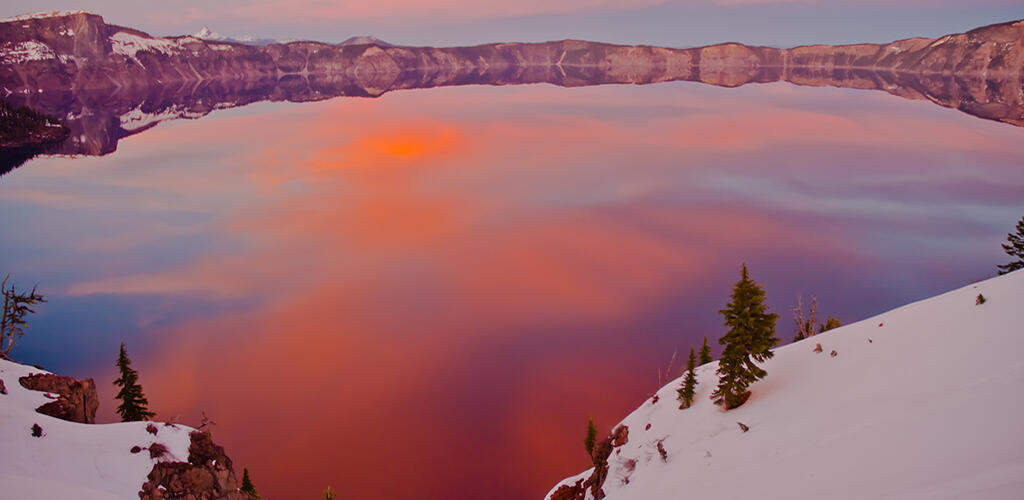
pixel 426 294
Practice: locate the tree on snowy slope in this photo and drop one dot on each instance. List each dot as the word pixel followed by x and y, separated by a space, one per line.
pixel 689 381
pixel 247 486
pixel 1014 248
pixel 750 338
pixel 705 352
pixel 133 402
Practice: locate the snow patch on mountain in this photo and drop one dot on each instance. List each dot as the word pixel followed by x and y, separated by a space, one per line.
pixel 29 50
pixel 129 44
pixel 137 119
pixel 72 460
pixel 42 15
pixel 921 402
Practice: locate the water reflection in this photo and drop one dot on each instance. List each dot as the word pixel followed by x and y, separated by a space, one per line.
pixel 99 118
pixel 426 295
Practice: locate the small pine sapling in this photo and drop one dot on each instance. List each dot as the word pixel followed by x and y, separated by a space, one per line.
pixel 329 494
pixel 830 324
pixel 37 431
pixel 980 300
pixel 247 486
pixel 705 352
pixel 591 439
pixel 688 389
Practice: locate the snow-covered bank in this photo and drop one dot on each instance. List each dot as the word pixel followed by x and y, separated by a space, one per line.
pixel 73 460
pixel 921 402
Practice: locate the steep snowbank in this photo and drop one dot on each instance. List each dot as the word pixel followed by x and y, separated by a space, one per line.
pixel 72 460
pixel 922 402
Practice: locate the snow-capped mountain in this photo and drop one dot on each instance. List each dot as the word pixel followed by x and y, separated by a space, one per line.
pixel 366 40
pixel 207 34
pixel 921 402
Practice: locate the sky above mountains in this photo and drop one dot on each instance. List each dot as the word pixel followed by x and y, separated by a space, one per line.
pixel 675 23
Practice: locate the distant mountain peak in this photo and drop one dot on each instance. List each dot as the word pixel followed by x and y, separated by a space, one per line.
pixel 212 36
pixel 366 40
pixel 207 34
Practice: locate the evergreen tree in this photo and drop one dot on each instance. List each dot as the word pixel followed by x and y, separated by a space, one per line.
pixel 705 352
pixel 830 324
pixel 750 338
pixel 591 439
pixel 1014 247
pixel 689 381
pixel 247 486
pixel 133 402
pixel 329 494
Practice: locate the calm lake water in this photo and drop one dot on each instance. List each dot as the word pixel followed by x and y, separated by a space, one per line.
pixel 425 295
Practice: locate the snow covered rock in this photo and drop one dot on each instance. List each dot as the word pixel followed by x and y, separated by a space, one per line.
pixel 922 404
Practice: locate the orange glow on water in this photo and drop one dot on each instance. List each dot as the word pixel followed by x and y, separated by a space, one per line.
pixel 410 307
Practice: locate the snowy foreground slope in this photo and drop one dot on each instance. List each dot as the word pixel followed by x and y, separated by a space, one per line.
pixel 72 460
pixel 922 402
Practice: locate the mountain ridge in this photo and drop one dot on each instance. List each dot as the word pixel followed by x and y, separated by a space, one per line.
pixel 107 82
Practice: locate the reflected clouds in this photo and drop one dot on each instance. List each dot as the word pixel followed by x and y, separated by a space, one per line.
pixel 443 292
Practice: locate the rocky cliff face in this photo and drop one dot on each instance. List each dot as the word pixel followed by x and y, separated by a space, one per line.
pixel 207 475
pixel 108 82
pixel 76 400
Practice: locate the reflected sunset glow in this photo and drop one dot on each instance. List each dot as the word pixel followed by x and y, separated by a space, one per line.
pixel 426 295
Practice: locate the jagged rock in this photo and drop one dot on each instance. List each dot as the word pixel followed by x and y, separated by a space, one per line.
pixel 3 390
pixel 574 492
pixel 208 475
pixel 620 436
pixel 77 401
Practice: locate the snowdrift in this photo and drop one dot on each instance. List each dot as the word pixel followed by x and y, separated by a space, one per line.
pixel 921 402
pixel 73 460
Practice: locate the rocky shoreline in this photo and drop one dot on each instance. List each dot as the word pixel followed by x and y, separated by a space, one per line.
pixel 106 82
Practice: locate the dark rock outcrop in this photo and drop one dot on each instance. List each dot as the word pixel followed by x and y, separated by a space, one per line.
pixel 575 491
pixel 76 401
pixel 107 82
pixel 207 475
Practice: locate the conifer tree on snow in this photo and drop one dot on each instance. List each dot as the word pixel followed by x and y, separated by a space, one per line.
pixel 705 352
pixel 133 402
pixel 1014 247
pixel 247 486
pixel 689 382
pixel 591 439
pixel 750 338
